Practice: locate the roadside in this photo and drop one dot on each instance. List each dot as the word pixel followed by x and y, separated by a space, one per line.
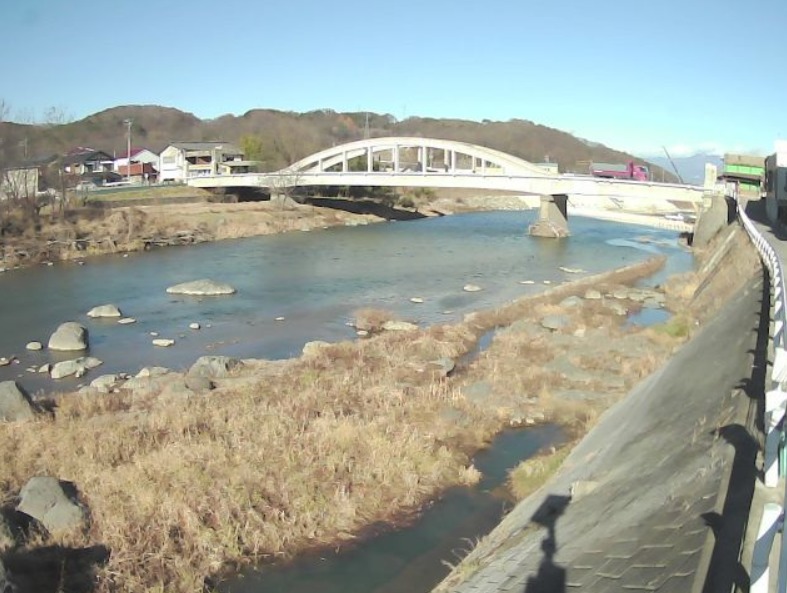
pixel 656 496
pixel 777 238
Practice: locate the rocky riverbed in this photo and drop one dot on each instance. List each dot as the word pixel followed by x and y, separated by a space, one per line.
pixel 236 461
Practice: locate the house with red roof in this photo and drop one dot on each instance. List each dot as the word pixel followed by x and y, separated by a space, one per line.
pixel 138 155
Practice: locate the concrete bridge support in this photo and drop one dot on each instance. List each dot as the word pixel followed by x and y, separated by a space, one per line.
pixel 553 217
pixel 718 215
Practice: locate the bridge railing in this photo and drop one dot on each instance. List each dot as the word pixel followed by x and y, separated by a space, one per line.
pixel 775 403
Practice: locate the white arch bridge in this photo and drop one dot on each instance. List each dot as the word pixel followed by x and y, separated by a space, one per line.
pixel 430 162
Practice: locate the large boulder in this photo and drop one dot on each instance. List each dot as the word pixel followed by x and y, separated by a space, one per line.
pixel 204 287
pixel 78 366
pixel 53 503
pixel 104 311
pixel 106 383
pixel 554 322
pixel 15 404
pixel 69 336
pixel 214 366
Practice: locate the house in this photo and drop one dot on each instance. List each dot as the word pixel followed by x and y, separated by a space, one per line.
pixel 745 172
pixel 239 166
pixel 182 160
pixel 138 155
pixel 26 179
pixel 139 172
pixel 19 182
pixel 775 185
pixel 84 161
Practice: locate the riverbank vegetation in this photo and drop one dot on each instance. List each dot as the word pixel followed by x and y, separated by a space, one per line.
pixel 287 456
pixel 89 231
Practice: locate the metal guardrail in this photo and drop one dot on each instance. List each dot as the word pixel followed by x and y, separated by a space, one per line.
pixel 775 405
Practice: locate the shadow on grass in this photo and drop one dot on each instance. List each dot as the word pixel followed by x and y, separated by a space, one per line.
pixel 366 207
pixel 55 569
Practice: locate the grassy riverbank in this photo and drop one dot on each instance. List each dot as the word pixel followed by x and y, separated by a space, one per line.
pixel 93 231
pixel 286 456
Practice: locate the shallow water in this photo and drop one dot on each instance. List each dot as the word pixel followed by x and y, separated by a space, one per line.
pixel 315 280
pixel 410 559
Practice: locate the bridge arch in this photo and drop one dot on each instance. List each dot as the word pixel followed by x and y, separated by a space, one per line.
pixel 406 154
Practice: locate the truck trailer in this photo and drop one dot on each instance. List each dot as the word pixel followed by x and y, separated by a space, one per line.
pixel 620 171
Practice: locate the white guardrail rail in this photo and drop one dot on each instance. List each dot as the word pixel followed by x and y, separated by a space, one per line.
pixel 775 404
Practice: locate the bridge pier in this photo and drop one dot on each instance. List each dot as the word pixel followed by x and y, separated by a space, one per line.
pixel 552 218
pixel 715 217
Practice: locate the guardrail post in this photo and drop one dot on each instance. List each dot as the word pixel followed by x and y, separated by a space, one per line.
pixel 779 368
pixel 775 402
pixel 769 524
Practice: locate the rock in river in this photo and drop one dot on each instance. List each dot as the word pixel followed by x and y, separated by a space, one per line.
pixel 204 287
pixel 78 366
pixel 104 311
pixel 69 336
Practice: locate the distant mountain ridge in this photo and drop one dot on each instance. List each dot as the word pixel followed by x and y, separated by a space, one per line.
pixel 279 138
pixel 691 168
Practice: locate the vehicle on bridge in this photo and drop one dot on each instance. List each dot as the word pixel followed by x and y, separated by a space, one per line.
pixel 629 170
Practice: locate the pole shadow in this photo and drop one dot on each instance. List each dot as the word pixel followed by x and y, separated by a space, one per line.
pixel 725 569
pixel 551 577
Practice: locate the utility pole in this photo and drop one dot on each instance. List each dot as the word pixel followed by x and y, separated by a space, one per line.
pixel 671 162
pixel 128 123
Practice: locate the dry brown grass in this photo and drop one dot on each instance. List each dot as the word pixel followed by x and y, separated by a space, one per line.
pixel 124 229
pixel 371 319
pixel 295 455
pixel 531 474
pixel 180 488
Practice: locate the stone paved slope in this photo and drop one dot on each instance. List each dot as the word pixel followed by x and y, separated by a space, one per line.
pixel 661 485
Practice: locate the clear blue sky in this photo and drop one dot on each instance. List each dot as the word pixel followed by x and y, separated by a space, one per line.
pixel 634 76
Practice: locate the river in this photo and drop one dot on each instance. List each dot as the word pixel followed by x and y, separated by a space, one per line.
pixel 313 280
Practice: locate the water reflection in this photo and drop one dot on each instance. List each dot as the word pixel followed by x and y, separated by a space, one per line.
pixel 410 559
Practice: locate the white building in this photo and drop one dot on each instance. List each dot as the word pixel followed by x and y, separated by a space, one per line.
pixel 182 160
pixel 138 155
pixel 775 191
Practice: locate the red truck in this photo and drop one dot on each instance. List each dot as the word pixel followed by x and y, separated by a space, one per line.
pixel 627 171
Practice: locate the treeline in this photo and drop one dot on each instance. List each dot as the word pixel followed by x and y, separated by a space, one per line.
pixel 278 138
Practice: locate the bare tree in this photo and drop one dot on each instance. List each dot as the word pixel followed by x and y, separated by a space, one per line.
pixel 19 178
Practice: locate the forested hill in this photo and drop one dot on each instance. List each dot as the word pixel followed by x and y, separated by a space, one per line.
pixel 279 138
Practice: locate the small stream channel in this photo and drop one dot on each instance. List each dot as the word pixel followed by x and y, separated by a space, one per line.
pixel 412 559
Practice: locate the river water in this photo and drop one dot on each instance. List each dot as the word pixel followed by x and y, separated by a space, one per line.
pixel 314 280
pixel 413 559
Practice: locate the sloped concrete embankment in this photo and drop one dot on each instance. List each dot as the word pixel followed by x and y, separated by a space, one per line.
pixel 656 496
